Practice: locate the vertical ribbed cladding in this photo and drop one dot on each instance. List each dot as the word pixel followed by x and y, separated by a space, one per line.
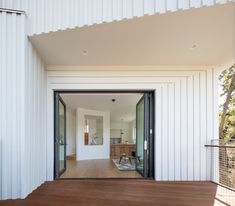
pixel 58 15
pixel 12 92
pixel 22 109
pixel 23 92
pixel 184 111
pixel 53 15
pixel 35 111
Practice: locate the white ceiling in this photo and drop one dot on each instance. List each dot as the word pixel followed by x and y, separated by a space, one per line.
pixel 122 108
pixel 161 39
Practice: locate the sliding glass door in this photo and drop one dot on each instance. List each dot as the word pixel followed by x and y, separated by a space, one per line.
pixel 140 136
pixel 144 135
pixel 60 136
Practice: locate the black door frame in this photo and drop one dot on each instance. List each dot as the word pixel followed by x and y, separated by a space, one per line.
pixel 148 98
pixel 57 99
pixel 150 159
pixel 143 173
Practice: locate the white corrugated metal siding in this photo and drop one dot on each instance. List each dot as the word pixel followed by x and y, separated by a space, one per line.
pixel 184 112
pixel 35 121
pixel 52 15
pixel 12 107
pixel 22 110
pixel 182 101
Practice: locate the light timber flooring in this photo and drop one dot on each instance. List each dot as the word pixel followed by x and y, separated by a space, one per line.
pixel 101 168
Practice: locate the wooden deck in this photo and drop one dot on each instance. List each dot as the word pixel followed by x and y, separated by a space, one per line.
pixel 121 192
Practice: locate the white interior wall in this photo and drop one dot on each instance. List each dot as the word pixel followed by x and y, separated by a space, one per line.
pixel 132 126
pixel 71 132
pixel 184 111
pixel 100 131
pixel 85 152
pixel 115 128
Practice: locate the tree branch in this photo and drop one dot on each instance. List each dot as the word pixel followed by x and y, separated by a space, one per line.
pixel 225 106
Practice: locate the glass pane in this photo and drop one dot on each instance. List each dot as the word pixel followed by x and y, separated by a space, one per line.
pixel 93 131
pixel 140 137
pixel 62 136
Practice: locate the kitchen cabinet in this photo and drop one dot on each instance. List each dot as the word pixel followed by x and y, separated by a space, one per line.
pixel 116 150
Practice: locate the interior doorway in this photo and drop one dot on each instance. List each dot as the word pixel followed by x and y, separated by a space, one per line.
pixel 103 134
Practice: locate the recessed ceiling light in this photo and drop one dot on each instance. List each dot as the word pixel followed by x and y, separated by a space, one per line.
pixel 84 52
pixel 193 47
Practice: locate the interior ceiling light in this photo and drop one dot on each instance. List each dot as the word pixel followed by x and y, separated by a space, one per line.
pixel 193 47
pixel 84 52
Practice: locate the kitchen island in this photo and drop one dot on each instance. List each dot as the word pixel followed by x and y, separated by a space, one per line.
pixel 116 150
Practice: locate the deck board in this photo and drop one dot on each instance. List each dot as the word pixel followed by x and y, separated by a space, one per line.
pixel 120 192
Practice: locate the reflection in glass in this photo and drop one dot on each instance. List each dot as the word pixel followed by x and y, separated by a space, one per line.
pixel 140 137
pixel 93 131
pixel 61 135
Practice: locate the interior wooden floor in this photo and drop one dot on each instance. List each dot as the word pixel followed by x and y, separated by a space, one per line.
pixel 101 168
pixel 125 192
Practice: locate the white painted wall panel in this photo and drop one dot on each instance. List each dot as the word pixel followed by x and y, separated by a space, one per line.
pixel 177 141
pixel 160 6
pixel 171 132
pixel 164 120
pixel 12 89
pixel 35 121
pixel 183 129
pixel 22 111
pixel 184 118
pixel 183 4
pixel 190 125
pixel 172 5
pixel 52 15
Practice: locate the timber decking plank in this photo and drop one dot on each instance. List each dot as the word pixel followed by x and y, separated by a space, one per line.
pixel 119 192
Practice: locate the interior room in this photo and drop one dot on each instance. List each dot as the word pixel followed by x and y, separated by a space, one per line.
pixel 101 135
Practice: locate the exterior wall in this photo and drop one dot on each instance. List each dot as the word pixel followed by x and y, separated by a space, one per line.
pixel 22 109
pixel 184 117
pixel 12 107
pixel 185 110
pixel 35 121
pixel 52 15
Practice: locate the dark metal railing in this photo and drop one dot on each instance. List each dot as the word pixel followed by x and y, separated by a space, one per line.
pixel 223 162
pixel 12 11
pixel 220 146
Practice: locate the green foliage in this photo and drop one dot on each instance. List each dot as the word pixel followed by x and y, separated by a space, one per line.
pixel 226 83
